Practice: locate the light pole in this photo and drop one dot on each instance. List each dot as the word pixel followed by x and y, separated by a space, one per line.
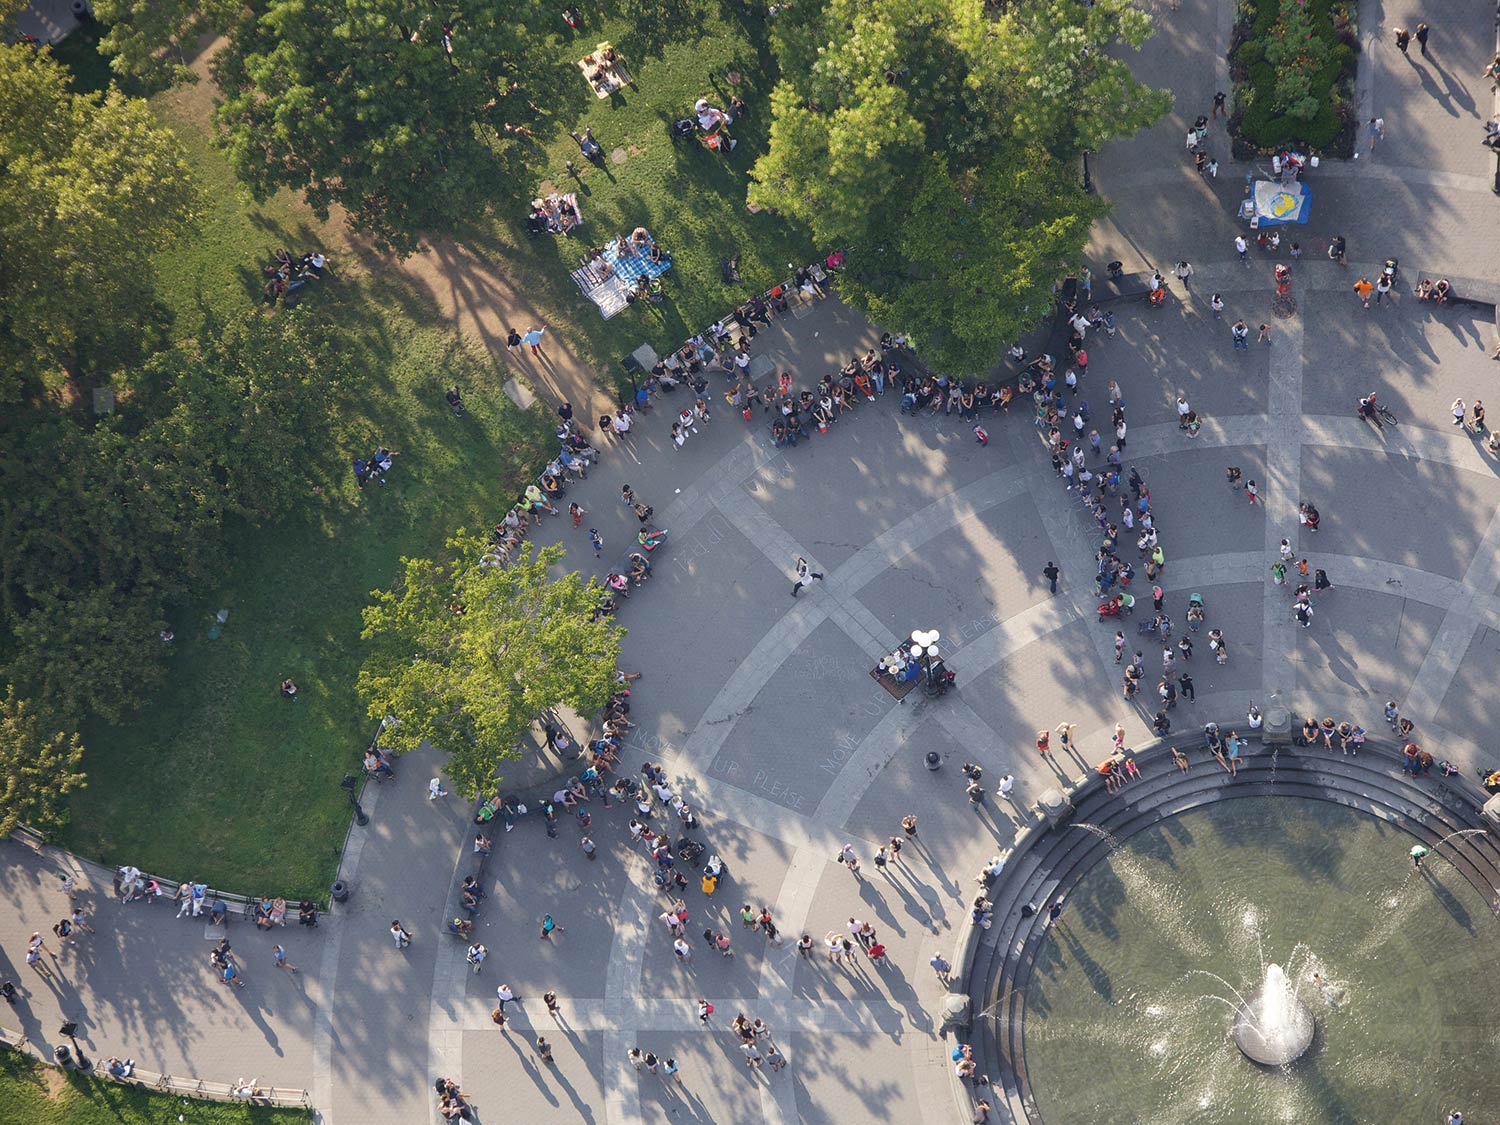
pixel 348 785
pixel 1088 183
pixel 69 1031
pixel 924 648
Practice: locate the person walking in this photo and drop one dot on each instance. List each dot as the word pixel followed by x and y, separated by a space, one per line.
pixel 1251 491
pixel 1265 335
pixel 34 950
pixel 1242 248
pixel 1183 270
pixel 1219 106
pixel 1460 409
pixel 705 1012
pixel 548 926
pixel 1050 573
pixel 1403 41
pixel 909 826
pixel 544 1049
pixel 1185 685
pixel 940 967
pixel 1423 31
pixel 1382 288
pixel 278 956
pixel 805 575
pixel 400 935
pixel 435 789
pixel 1364 288
pixel 1375 130
pixel 533 339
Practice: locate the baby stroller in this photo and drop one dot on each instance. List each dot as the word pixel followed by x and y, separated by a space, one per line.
pixel 689 851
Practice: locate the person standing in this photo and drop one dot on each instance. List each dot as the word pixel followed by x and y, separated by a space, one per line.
pixel 1240 331
pixel 1119 646
pixel 549 998
pixel 1460 409
pixel 1216 303
pixel 1265 335
pixel 1183 270
pixel 1185 685
pixel 1050 573
pixel 544 1049
pixel 1242 248
pixel 805 575
pixel 909 826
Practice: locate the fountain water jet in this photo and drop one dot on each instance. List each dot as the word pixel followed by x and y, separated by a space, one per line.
pixel 1274 1026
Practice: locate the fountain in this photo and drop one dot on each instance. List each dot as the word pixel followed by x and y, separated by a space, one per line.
pixel 1273 1027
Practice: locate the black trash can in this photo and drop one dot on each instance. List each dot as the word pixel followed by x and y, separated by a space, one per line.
pixel 340 891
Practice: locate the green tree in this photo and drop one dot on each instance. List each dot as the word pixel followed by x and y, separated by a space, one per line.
pixel 359 103
pixel 103 527
pixel 938 142
pixel 92 188
pixel 972 262
pixel 467 656
pixel 151 40
pixel 39 767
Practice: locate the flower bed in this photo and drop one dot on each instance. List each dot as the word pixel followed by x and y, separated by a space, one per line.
pixel 1293 66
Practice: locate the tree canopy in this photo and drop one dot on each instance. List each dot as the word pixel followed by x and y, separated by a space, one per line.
pixel 387 108
pixel 38 767
pixel 937 142
pixel 103 525
pixel 467 656
pixel 92 187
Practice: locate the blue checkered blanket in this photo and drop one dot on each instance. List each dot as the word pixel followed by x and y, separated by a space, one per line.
pixel 629 266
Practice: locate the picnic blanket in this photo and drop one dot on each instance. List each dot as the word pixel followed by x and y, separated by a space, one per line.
pixel 614 75
pixel 607 280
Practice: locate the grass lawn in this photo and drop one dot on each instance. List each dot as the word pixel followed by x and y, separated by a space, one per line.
pixel 692 200
pixel 220 778
pixel 39 1095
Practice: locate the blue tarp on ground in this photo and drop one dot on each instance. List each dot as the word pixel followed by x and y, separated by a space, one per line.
pixel 1281 203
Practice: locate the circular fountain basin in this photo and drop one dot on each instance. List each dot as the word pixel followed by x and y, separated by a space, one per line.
pixel 1137 1007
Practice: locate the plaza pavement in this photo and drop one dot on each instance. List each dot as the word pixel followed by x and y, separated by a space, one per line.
pixel 762 710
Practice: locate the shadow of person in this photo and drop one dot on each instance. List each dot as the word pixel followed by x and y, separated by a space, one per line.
pixel 531 1068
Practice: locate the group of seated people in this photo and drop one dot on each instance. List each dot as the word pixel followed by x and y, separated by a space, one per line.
pixel 574 456
pixel 602 67
pixel 1118 769
pixel 1349 736
pixel 286 273
pixel 557 213
pixel 452 1103
pixel 1439 292
pixel 270 912
pixel 1226 751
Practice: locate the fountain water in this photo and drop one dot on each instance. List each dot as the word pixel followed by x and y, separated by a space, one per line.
pixel 1274 1027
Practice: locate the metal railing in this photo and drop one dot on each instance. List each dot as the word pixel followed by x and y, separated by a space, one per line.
pixel 252 1092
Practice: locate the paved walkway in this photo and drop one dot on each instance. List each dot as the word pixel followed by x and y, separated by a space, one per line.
pixel 762 711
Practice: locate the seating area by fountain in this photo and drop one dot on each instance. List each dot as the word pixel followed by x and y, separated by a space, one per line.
pixel 1015 965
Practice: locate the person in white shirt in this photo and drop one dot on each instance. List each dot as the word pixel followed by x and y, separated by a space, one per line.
pixel 1007 783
